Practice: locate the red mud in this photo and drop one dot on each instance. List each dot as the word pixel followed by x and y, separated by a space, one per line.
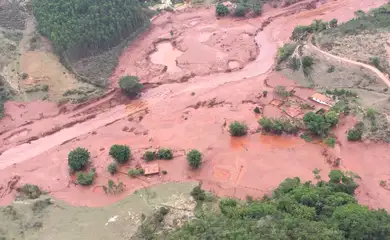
pixel 193 111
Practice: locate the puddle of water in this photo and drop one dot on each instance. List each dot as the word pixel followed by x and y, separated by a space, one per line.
pixel 166 55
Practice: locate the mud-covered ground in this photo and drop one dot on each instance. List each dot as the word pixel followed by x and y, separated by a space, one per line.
pixel 216 71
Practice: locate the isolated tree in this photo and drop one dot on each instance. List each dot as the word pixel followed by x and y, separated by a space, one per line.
pixel 121 153
pixel 78 158
pixel 194 158
pixel 130 85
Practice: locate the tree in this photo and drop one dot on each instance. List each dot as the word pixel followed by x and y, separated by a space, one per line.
pixel 238 129
pixel 194 158
pixel 149 156
pixel 221 10
pixel 78 159
pixel 165 153
pixel 112 168
pixel 356 133
pixel 130 85
pixel 240 10
pixel 317 124
pixel 120 153
pixel 333 23
pixel 332 117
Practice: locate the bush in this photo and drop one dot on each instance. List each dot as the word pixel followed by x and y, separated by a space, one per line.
pixel 149 156
pixel 198 194
pixel 281 91
pixel 221 10
pixel 136 172
pixel 121 153
pixel 86 179
pixel 30 191
pixel 165 153
pixel 294 63
pixel 164 172
pixel 330 69
pixel 317 124
pixel 333 23
pixel 307 63
pixel 78 159
pixel 355 134
pixel 286 51
pixel 265 93
pixel 330 141
pixel 112 168
pixel 257 110
pixel 332 118
pixel 278 126
pixel 114 188
pixel 238 129
pixel 130 85
pixel 375 61
pixel 194 158
pixel 240 10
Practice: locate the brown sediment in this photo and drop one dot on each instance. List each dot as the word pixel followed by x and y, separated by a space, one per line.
pixel 188 109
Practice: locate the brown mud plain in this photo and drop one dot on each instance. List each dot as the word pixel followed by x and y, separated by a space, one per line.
pixel 206 74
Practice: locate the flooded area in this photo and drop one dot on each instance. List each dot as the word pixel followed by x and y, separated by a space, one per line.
pixel 191 99
pixel 166 54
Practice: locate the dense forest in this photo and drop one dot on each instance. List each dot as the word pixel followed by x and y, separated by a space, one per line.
pixel 325 210
pixel 84 25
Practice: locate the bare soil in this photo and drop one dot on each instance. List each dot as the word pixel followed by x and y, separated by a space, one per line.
pixel 190 109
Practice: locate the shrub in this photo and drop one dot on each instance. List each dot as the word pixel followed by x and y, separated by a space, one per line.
pixel 294 63
pixel 130 85
pixel 240 10
pixel 149 156
pixel 121 153
pixel 307 62
pixel 281 91
pixel 330 69
pixel 333 23
pixel 375 61
pixel 371 114
pixel 114 188
pixel 30 191
pixel 257 110
pixel 78 158
pixel 355 134
pixel 238 129
pixel 136 172
pixel 330 141
pixel 265 93
pixel 332 118
pixel 86 179
pixel 24 76
pixel 198 194
pixel 194 158
pixel 301 32
pixel 221 10
pixel 164 172
pixel 286 51
pixel 257 9
pixel 112 168
pixel 165 153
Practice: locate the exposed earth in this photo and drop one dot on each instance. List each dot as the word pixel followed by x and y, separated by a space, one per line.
pixel 200 73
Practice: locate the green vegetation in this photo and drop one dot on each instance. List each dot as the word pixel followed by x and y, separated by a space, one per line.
pixel 194 158
pixel 371 114
pixel 120 153
pixel 86 179
pixel 238 129
pixel 341 93
pixel 112 168
pixel 333 23
pixel 198 194
pixel 294 63
pixel 330 69
pixel 285 52
pixel 130 85
pixel 375 61
pixel 296 210
pixel 256 110
pixel 149 156
pixel 78 159
pixel 38 88
pixel 84 25
pixel 281 91
pixel 221 10
pixel 306 137
pixel 356 133
pixel 165 153
pixel 265 93
pixel 302 32
pixel 136 172
pixel 307 64
pixel 240 10
pixel 113 188
pixel 330 141
pixel 320 124
pixel 30 191
pixel 278 126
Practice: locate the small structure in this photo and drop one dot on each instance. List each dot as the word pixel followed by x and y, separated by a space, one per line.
pixel 321 98
pixel 151 169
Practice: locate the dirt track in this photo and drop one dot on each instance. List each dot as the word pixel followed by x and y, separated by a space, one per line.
pixel 185 110
pixel 373 69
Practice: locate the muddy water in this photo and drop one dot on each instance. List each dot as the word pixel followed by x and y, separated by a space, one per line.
pixel 166 55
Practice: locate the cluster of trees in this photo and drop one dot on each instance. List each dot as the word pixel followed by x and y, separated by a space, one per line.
pixel 302 31
pixel 242 8
pixel 82 25
pixel 320 124
pixel 278 126
pixel 297 210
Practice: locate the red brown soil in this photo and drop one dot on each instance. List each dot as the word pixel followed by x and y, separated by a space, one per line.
pixel 188 109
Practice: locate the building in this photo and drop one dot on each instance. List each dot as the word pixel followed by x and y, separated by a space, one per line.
pixel 321 98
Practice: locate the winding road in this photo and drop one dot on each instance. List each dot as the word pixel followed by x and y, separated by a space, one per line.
pixel 369 67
